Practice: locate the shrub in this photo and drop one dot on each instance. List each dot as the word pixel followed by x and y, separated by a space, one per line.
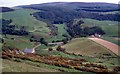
pixel 59 48
pixel 50 49
pixel 117 68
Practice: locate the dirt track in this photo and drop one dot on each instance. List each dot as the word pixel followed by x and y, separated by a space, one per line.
pixel 113 47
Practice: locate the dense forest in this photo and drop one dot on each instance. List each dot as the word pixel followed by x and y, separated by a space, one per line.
pixel 58 17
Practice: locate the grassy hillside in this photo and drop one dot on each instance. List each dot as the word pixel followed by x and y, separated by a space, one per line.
pixel 22 17
pixel 110 27
pixel 86 47
pixel 19 42
pixel 61 30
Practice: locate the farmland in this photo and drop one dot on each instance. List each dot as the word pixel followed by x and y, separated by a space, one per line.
pixel 63 34
pixel 22 17
pixel 61 31
pixel 85 46
pixel 110 27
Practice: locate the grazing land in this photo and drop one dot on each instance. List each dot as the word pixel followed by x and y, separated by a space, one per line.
pixel 22 17
pixel 85 46
pixel 61 37
pixel 110 27
pixel 113 47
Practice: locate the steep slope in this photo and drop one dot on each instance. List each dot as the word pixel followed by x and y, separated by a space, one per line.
pixel 23 17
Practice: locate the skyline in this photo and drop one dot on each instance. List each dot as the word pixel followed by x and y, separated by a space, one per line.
pixel 12 3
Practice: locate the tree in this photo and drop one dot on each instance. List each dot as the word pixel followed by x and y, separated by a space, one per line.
pixel 42 41
pixel 59 48
pixel 1 40
pixel 65 41
pixel 50 49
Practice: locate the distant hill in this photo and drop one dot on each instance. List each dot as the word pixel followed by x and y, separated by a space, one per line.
pixel 50 14
pixel 77 5
pixel 61 12
pixel 6 9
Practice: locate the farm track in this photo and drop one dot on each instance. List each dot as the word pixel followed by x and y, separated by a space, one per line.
pixel 111 46
pixel 58 61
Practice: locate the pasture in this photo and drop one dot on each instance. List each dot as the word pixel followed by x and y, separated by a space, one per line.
pixel 86 47
pixel 110 27
pixel 19 42
pixel 61 30
pixel 22 17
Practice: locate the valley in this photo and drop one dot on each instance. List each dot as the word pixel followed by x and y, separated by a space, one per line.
pixel 64 38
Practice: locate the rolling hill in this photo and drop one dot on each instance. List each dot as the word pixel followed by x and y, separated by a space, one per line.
pixel 42 20
pixel 86 47
pixel 104 15
pixel 54 12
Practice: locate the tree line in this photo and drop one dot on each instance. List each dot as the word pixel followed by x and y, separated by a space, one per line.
pixel 75 29
pixel 60 16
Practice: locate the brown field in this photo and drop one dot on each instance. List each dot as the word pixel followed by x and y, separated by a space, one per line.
pixel 113 47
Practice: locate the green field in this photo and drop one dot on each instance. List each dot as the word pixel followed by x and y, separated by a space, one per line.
pixel 110 27
pixel 61 31
pixel 20 42
pixel 22 17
